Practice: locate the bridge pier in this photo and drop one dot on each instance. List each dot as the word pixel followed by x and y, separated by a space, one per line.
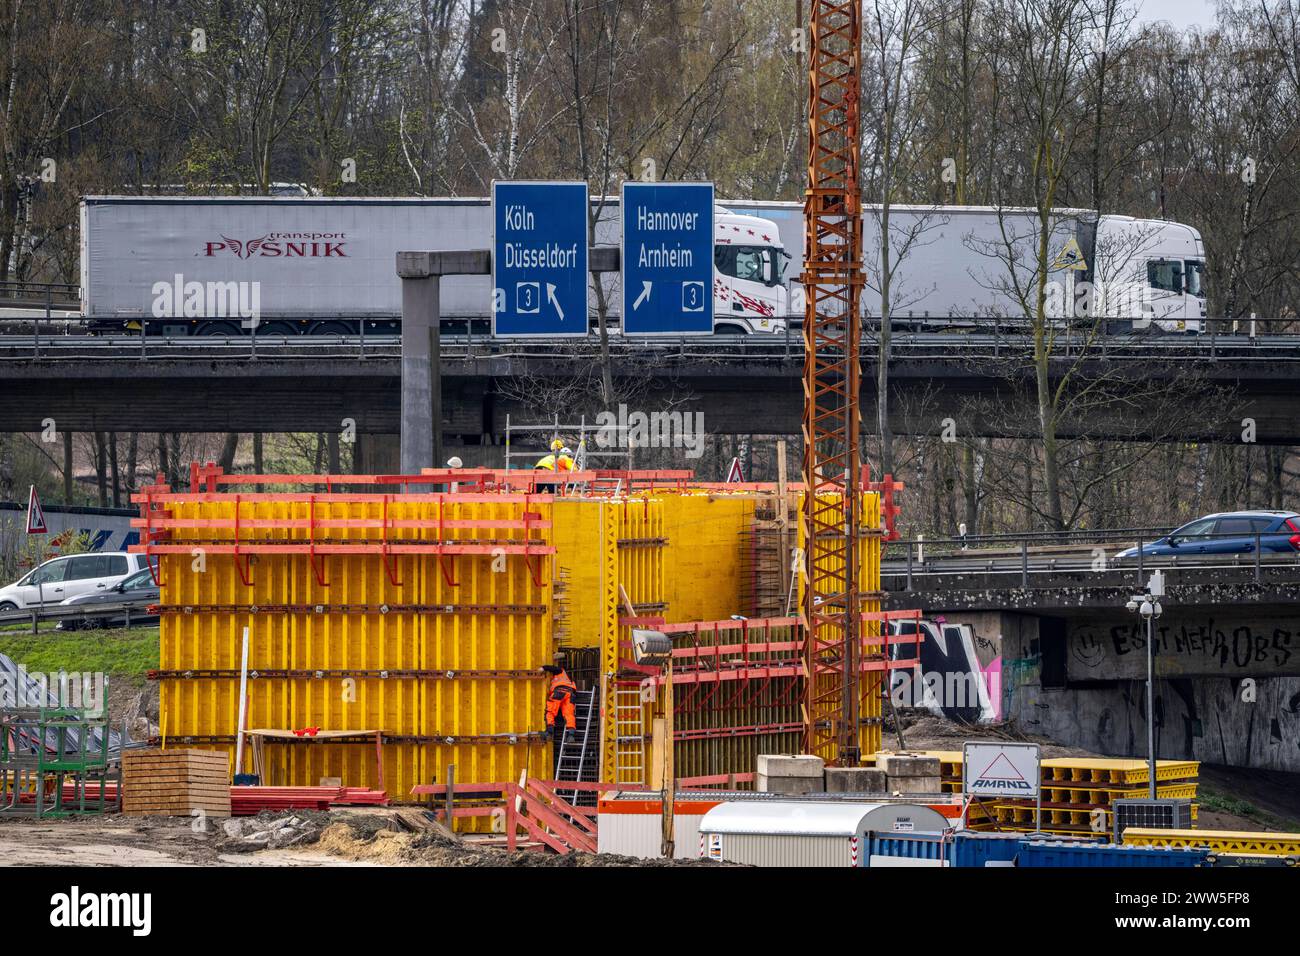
pixel 421 274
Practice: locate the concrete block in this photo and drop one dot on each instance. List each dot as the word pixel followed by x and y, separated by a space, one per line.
pixel 790 785
pixel 790 765
pixel 856 780
pixel 907 765
pixel 911 785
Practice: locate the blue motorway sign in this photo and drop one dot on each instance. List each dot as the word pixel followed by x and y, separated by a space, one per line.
pixel 539 258
pixel 667 258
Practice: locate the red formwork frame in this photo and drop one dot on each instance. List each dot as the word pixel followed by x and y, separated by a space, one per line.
pixel 745 657
pixel 156 523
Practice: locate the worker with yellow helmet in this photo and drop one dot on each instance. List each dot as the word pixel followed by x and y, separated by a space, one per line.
pixel 560 458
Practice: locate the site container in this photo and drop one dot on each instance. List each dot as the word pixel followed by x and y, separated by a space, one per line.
pixel 963 849
pixel 802 833
pixel 985 849
pixel 631 824
pixel 1057 853
pixel 894 850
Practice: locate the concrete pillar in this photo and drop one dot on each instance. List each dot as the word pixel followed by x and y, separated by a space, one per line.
pixel 420 273
pixel 421 375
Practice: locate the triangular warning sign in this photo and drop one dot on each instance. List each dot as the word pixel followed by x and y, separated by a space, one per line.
pixel 35 514
pixel 1071 257
pixel 1001 761
pixel 734 474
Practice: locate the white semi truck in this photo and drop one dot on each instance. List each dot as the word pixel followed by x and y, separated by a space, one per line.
pixel 980 261
pixel 204 265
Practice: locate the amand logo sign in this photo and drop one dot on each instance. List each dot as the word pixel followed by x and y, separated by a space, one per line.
pixel 1001 776
pixel 1000 770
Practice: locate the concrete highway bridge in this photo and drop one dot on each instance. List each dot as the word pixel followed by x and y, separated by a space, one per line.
pixel 742 385
pixel 1070 660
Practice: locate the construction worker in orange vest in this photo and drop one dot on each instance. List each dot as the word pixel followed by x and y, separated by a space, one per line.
pixel 559 700
pixel 560 458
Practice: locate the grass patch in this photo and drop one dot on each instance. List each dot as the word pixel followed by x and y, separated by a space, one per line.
pixel 125 653
pixel 1222 803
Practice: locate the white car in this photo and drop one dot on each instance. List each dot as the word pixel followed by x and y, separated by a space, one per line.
pixel 61 578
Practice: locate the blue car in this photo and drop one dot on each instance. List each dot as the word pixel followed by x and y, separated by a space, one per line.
pixel 1233 532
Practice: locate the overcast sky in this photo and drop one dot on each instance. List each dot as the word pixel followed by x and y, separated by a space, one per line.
pixel 1181 13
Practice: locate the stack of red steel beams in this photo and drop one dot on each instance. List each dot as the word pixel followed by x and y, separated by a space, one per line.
pixel 248 801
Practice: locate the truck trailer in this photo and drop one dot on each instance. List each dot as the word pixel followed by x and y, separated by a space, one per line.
pixel 950 262
pixel 202 265
pixel 211 265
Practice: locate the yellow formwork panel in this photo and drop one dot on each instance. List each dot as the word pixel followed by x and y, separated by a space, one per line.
pixel 444 658
pixel 707 535
pixel 579 570
pixel 641 543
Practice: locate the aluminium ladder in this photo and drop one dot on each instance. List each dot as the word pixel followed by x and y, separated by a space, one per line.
pixel 579 755
pixel 629 735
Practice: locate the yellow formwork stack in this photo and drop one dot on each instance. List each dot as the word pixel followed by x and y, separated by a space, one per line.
pixel 427 617
pixel 441 652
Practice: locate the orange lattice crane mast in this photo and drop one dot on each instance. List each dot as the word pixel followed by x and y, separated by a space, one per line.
pixel 833 279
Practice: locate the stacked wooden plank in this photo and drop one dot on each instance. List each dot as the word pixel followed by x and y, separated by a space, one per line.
pixel 173 782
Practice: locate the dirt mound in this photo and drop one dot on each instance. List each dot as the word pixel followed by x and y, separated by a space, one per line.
pixel 924 731
pixel 386 847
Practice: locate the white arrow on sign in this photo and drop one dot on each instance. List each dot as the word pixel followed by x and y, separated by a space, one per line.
pixel 550 294
pixel 644 296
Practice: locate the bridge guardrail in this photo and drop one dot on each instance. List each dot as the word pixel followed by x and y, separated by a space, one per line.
pixel 1038 553
pixel 36 295
pixel 77 612
pixel 33 337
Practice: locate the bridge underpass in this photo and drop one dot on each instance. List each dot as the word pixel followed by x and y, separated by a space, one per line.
pixel 298 385
pixel 1070 659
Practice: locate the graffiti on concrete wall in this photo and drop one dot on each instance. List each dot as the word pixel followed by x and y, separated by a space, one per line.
pixel 1115 650
pixel 1236 721
pixel 958 673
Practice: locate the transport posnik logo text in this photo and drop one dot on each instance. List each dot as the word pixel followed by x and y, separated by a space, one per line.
pixel 76 909
pixel 282 245
pixel 204 300
pixel 22 688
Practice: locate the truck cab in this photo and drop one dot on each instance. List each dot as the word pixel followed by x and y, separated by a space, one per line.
pixel 1152 272
pixel 749 270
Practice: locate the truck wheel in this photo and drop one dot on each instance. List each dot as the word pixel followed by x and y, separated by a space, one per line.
pixel 276 328
pixel 728 330
pixel 228 329
pixel 330 328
